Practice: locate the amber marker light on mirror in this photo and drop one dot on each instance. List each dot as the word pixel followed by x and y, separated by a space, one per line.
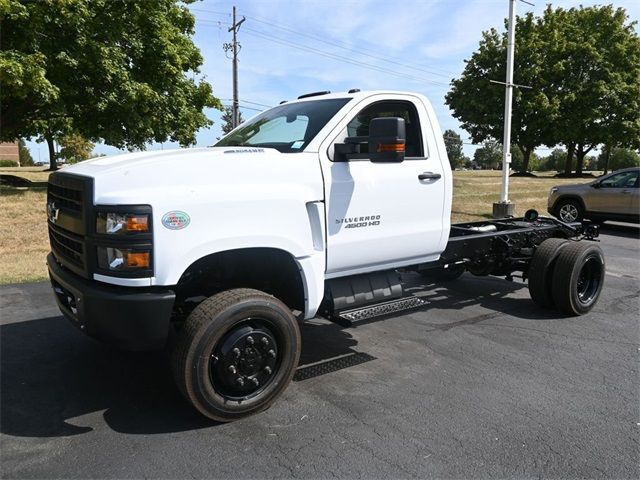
pixel 391 147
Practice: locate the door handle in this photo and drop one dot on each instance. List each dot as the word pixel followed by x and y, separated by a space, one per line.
pixel 429 176
pixel 625 191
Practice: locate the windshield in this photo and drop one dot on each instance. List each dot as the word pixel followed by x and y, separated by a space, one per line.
pixel 287 128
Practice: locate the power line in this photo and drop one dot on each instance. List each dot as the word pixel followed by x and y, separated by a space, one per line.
pixel 324 53
pixel 340 58
pixel 216 12
pixel 244 108
pixel 247 101
pixel 361 51
pixel 350 49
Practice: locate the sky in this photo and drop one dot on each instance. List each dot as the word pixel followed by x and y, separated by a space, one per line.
pixel 293 47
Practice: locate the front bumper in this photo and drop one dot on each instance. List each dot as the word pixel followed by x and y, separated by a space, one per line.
pixel 126 317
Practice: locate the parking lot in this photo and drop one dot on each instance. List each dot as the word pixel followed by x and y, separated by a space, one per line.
pixel 480 384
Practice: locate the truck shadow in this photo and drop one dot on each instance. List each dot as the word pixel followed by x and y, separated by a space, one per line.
pixel 55 381
pixel 492 293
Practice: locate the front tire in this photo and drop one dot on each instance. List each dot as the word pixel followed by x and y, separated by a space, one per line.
pixel 236 354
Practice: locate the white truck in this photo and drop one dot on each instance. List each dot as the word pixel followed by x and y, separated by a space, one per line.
pixel 310 208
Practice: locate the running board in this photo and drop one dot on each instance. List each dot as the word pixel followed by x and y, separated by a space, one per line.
pixel 357 315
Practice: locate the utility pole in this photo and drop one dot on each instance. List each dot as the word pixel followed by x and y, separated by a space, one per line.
pixel 235 116
pixel 504 207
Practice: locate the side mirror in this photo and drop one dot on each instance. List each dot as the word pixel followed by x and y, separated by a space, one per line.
pixel 387 139
pixel 596 185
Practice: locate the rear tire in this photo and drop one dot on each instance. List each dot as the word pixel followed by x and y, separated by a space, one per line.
pixel 578 278
pixel 541 271
pixel 236 353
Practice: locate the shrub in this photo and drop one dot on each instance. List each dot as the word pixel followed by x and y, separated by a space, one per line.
pixel 8 163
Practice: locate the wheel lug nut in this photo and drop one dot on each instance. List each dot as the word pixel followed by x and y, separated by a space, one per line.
pixel 232 369
pixel 271 353
pixel 264 341
pixel 255 381
pixel 236 352
pixel 267 370
pixel 250 340
pixel 240 381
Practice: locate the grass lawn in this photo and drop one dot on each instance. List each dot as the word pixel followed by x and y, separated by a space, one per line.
pixel 24 243
pixel 474 193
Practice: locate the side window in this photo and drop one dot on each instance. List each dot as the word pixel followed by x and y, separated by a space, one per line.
pixel 621 180
pixel 359 126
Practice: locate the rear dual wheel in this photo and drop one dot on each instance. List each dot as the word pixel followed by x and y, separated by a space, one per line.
pixel 566 275
pixel 236 354
pixel 578 278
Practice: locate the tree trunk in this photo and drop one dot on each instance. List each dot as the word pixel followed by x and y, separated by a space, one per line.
pixel 526 157
pixel 53 166
pixel 580 154
pixel 568 166
pixel 607 154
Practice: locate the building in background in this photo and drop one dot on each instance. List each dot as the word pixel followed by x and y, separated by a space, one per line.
pixel 9 151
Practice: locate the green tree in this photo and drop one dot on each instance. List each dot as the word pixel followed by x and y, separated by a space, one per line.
pixel 119 71
pixel 489 155
pixel 583 65
pixel 75 148
pixel 518 161
pixel 453 144
pixel 593 73
pixel 619 158
pixel 227 118
pixel 25 158
pixel 479 104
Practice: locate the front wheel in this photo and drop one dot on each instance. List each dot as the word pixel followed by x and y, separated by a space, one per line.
pixel 236 354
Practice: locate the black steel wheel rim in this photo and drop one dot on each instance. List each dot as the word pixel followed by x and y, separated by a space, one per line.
pixel 589 280
pixel 245 360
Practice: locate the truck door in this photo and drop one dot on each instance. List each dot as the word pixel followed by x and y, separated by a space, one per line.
pixel 384 215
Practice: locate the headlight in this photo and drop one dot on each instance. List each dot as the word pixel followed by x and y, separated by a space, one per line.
pixel 122 223
pixel 123 259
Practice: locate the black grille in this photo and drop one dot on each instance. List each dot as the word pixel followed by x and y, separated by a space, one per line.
pixel 66 246
pixel 66 198
pixel 69 201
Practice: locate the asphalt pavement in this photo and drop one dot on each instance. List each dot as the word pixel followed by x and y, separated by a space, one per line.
pixel 480 384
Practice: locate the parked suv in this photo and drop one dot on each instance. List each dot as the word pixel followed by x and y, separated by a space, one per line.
pixel 610 197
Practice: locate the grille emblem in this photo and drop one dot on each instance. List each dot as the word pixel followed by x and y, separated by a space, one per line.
pixel 52 212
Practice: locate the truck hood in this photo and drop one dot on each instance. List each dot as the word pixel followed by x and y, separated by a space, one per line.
pixel 139 177
pixel 166 159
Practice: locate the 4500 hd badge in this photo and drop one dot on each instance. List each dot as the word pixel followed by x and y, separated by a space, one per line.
pixel 359 222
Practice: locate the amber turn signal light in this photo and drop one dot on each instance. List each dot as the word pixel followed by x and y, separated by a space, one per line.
pixel 138 259
pixel 138 223
pixel 391 147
